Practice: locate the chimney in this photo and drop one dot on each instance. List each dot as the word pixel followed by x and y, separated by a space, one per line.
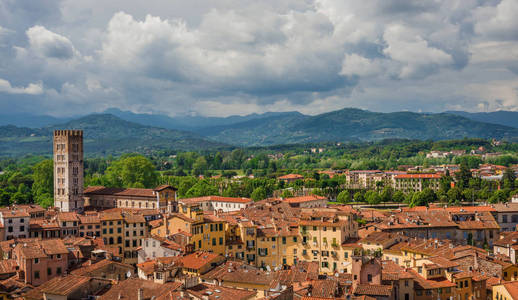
pixel 140 295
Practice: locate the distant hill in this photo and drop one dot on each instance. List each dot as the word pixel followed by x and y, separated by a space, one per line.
pixel 104 134
pixel 190 123
pixel 502 117
pixel 110 134
pixel 355 125
pixel 30 120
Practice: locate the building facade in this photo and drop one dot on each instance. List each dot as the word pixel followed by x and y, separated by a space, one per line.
pixel 68 170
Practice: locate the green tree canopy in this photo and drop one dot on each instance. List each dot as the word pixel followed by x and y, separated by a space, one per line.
pixel 259 194
pixel 43 186
pixel 344 196
pixel 132 171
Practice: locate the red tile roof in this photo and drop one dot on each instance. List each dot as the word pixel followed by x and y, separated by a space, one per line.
pixel 291 176
pixel 198 259
pixel 373 290
pixel 303 199
pixel 417 176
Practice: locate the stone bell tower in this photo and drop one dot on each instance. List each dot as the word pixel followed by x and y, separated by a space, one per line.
pixel 68 170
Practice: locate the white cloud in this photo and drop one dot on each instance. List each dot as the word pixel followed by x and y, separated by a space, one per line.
pixel 233 56
pixel 31 89
pixel 46 43
pixel 498 21
pixel 418 58
pixel 355 64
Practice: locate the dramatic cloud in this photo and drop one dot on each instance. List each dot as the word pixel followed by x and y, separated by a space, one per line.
pixel 239 57
pixel 31 89
pixel 49 44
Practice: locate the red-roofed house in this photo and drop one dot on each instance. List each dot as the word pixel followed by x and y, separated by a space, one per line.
pixel 416 182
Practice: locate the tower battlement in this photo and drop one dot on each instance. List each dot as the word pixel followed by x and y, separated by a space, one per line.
pixel 68 132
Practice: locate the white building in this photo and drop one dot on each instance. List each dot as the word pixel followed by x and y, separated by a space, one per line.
pixel 15 222
pixel 225 204
pixel 154 247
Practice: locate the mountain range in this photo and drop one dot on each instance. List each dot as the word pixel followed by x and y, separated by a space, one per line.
pixel 103 134
pixel 116 131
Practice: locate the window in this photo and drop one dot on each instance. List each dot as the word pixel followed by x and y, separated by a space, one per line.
pixel 221 227
pixel 22 228
pixel 325 264
pixel 294 239
pixel 369 277
pixel 58 270
pixel 58 256
pixel 49 271
pixel 284 240
pixel 36 274
pixel 213 241
pixel 221 241
pixel 36 260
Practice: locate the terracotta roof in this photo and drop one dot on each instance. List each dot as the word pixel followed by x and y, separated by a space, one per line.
pixel 89 219
pixel 213 292
pixel 373 290
pixel 291 176
pixel 417 176
pixel 303 199
pixel 89 268
pixel 163 187
pixel 198 259
pixel 63 286
pixel 426 284
pixel 512 288
pixel 132 192
pixel 128 289
pixel 67 217
pixel 8 266
pixel 238 272
pixel 13 213
pixel 41 248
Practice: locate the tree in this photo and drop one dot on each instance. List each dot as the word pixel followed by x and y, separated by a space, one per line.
pixel 372 197
pixel 454 195
pixel 423 198
pixel 201 188
pixel 287 193
pixel 498 196
pixel 398 197
pixel 344 196
pixel 258 194
pixel 358 197
pixel 43 186
pixel 386 194
pixel 200 166
pixel 508 179
pixel 132 171
pixel 4 198
pixel 464 175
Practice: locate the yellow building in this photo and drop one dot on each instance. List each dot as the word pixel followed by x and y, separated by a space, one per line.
pixel 510 272
pixel 323 231
pixel 506 291
pixel 135 229
pixel 208 231
pixel 112 229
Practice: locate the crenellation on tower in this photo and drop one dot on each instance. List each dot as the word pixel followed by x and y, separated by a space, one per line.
pixel 68 170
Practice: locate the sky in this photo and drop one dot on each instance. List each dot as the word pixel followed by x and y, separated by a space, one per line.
pixel 228 57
